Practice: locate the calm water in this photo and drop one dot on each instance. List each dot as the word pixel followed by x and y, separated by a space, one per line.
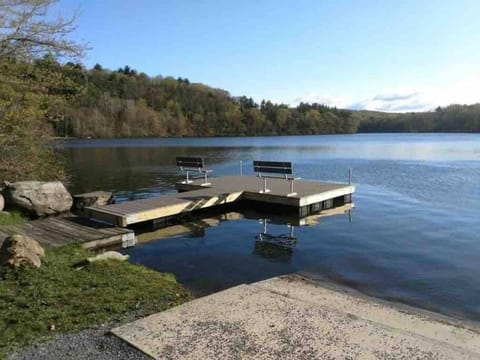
pixel 414 235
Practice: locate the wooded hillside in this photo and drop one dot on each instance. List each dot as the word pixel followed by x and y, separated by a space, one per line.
pixel 453 118
pixel 125 103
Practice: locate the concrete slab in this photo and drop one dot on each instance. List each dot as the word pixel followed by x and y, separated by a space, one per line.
pixel 290 318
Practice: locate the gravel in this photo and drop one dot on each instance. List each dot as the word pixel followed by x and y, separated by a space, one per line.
pixel 92 344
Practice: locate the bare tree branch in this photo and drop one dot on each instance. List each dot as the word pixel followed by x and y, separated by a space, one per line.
pixel 26 34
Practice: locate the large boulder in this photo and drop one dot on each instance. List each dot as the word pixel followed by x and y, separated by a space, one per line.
pixel 19 250
pixel 37 197
pixel 96 198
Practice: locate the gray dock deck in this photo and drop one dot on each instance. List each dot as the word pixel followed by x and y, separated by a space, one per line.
pixel 310 197
pixel 59 231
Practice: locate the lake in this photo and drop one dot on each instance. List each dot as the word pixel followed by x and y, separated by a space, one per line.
pixel 413 236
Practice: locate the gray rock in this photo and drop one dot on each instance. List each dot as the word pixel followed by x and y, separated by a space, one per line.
pixel 2 203
pixel 96 198
pixel 38 198
pixel 19 250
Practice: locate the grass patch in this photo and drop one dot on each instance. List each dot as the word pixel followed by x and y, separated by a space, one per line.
pixel 34 300
pixel 11 218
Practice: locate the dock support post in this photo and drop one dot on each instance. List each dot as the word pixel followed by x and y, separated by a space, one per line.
pixel 241 167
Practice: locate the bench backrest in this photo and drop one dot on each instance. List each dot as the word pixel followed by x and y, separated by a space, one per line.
pixel 273 167
pixel 194 163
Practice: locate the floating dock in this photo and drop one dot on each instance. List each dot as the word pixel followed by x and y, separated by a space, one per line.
pixel 59 231
pixel 310 197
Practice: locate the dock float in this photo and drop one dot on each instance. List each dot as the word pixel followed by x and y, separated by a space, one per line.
pixel 310 197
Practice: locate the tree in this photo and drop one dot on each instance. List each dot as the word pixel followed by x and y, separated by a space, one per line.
pixel 26 34
pixel 33 87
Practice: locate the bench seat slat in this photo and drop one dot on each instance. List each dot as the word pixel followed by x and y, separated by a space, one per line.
pixel 272 163
pixel 273 170
pixel 190 165
pixel 274 167
pixel 190 162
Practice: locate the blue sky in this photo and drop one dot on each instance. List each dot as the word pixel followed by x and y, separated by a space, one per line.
pixel 401 55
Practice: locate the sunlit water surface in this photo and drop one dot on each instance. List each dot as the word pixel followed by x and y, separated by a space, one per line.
pixel 413 236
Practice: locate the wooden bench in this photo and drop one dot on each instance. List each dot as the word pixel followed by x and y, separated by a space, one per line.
pixel 274 167
pixel 188 164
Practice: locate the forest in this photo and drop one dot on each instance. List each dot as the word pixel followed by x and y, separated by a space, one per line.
pixel 127 103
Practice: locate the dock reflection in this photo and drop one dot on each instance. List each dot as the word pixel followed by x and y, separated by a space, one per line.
pixel 267 243
pixel 218 251
pixel 278 247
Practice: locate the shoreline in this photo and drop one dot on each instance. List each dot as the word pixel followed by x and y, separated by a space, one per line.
pixel 61 138
pixel 402 306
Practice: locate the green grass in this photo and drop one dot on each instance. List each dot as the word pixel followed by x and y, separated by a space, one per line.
pixel 69 299
pixel 11 218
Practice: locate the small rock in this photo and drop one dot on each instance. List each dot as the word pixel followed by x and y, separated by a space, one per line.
pixel 96 198
pixel 37 197
pixel 19 250
pixel 108 255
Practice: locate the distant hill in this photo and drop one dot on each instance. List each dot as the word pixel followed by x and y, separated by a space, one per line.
pixel 127 103
pixel 453 118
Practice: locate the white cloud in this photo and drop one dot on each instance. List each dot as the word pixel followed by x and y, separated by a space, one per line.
pixel 464 91
pixel 395 102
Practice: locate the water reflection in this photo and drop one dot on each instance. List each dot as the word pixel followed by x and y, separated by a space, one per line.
pixel 224 249
pixel 277 247
pixel 195 226
pixel 132 172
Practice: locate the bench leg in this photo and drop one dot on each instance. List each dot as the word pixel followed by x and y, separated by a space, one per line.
pixel 265 190
pixel 291 193
pixel 205 182
pixel 187 181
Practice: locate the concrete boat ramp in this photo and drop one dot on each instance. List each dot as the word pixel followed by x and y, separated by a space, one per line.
pixel 292 318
